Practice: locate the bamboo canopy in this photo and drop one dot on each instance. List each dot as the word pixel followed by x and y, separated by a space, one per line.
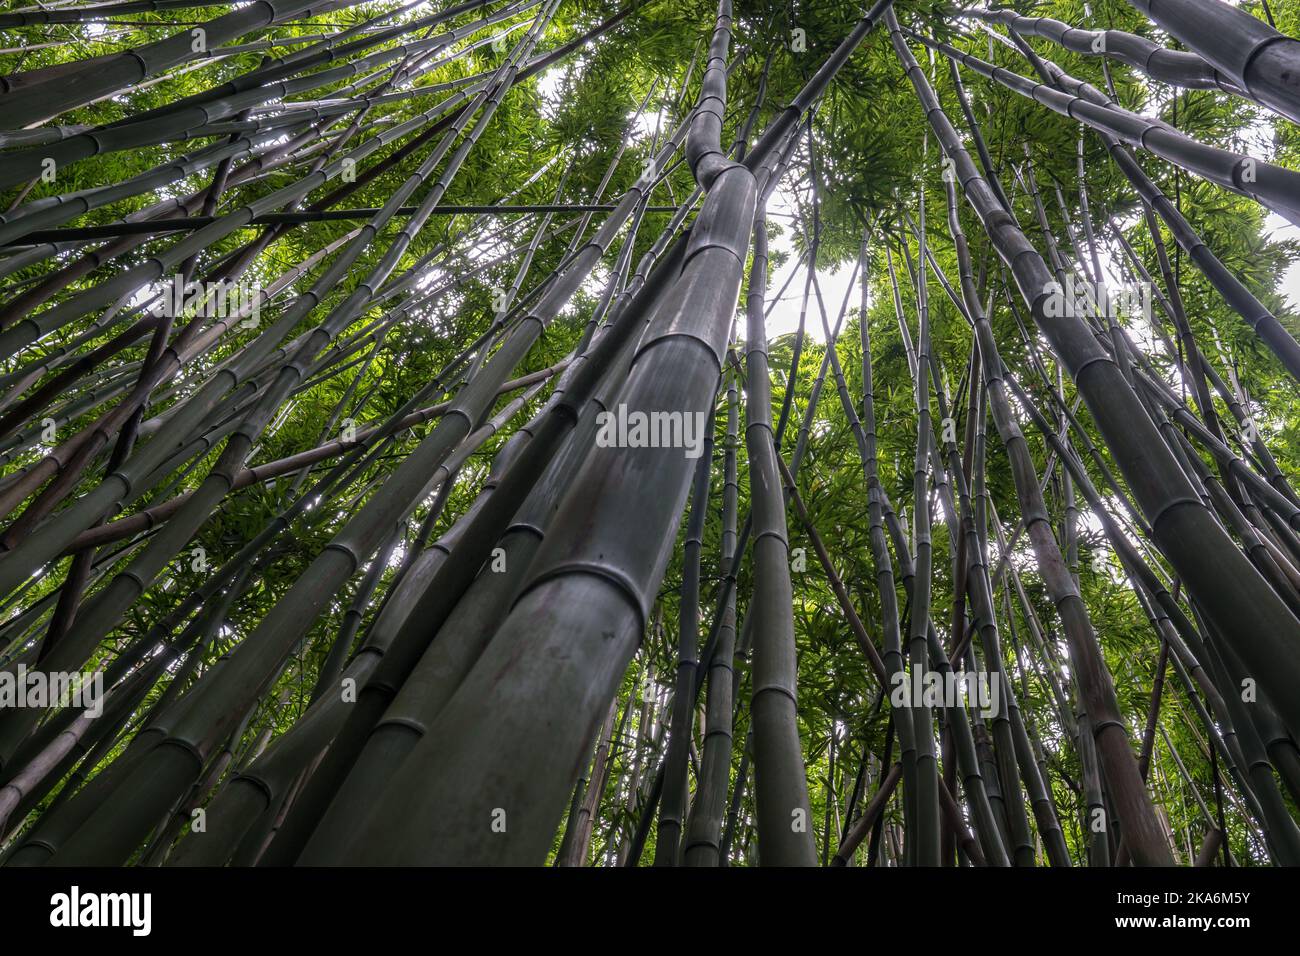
pixel 676 432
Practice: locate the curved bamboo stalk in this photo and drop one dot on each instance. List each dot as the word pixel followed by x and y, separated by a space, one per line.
pixel 1178 67
pixel 1260 60
pixel 1272 186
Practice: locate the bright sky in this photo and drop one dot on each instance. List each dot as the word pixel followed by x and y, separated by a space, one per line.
pixel 1281 229
pixel 784 318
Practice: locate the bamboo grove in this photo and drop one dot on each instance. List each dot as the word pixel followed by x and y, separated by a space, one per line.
pixel 649 433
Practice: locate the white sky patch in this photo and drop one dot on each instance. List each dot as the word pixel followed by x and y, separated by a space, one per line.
pixel 1278 229
pixel 649 122
pixel 1259 137
pixel 550 84
pixel 784 317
